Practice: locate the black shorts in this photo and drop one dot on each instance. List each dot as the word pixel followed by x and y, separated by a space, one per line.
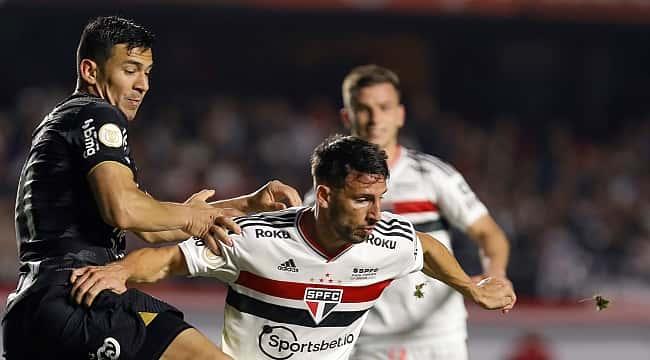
pixel 47 324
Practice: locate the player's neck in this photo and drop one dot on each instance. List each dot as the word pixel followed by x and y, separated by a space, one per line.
pixel 316 229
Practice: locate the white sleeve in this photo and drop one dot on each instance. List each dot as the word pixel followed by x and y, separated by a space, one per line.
pixel 456 200
pixel 415 258
pixel 202 262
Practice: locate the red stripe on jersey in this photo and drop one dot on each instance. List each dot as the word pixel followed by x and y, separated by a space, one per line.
pixel 296 291
pixel 402 207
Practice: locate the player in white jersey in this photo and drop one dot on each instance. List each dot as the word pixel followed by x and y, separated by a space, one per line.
pixel 301 280
pixel 432 195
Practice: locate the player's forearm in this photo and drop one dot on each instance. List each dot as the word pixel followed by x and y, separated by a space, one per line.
pixel 493 245
pixel 440 264
pixel 139 212
pixel 163 236
pixel 153 264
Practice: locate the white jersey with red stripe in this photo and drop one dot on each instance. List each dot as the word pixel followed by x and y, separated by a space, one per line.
pixel 287 298
pixel 433 196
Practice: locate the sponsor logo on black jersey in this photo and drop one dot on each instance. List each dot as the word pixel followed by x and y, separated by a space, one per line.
pixel 280 343
pixel 377 241
pixel 110 350
pixel 280 234
pixel 289 266
pixel 89 138
pixel 321 301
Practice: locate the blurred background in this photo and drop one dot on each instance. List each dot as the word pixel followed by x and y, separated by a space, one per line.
pixel 543 105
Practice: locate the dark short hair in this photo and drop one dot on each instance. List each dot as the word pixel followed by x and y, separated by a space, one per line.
pixel 102 33
pixel 364 76
pixel 338 155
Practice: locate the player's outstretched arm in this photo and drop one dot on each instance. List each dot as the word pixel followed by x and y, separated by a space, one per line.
pixel 493 245
pixel 143 265
pixel 440 264
pixel 274 195
pixel 123 205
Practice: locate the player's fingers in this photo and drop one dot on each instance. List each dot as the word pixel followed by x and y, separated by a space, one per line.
pixel 83 288
pixel 220 234
pixel 76 273
pixel 284 191
pixel 211 243
pixel 229 224
pixel 80 281
pixel 91 294
pixel 203 195
pixel 277 206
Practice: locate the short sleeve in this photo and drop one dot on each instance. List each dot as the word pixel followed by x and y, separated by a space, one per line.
pixel 202 262
pixel 99 134
pixel 457 202
pixel 412 254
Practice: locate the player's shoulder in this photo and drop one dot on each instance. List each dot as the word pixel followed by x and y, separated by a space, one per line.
pixel 280 217
pixel 430 163
pixel 274 224
pixel 82 111
pixel 394 226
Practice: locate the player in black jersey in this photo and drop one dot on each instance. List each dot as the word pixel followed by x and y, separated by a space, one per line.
pixel 77 195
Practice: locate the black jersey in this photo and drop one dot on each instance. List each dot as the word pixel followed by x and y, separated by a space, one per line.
pixel 56 212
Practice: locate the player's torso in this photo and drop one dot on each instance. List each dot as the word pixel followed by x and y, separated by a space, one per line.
pixel 55 207
pixel 300 302
pixel 411 195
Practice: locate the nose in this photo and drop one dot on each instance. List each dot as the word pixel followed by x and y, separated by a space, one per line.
pixel 141 83
pixel 374 212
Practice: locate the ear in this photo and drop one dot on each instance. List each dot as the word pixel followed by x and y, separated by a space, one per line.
pixel 88 70
pixel 323 196
pixel 345 119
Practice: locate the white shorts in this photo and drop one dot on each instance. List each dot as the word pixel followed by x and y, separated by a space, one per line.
pixel 453 348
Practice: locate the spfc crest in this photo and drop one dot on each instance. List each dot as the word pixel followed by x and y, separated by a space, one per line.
pixel 321 302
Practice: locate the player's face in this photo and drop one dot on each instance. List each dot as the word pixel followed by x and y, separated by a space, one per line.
pixel 124 79
pixel 355 209
pixel 376 115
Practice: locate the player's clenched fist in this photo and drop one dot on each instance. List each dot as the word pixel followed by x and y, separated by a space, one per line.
pixel 495 293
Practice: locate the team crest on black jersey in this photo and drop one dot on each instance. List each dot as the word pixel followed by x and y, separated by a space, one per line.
pixel 321 301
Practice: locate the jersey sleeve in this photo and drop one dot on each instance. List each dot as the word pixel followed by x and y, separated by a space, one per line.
pixel 457 202
pixel 99 135
pixel 202 262
pixel 414 260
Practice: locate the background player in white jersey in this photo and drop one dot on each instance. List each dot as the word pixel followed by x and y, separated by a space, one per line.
pixel 301 280
pixel 431 194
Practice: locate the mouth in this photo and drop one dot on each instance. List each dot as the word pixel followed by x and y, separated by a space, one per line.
pixel 134 102
pixel 367 229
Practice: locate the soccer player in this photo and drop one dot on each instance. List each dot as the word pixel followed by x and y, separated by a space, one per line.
pixel 301 280
pixel 76 197
pixel 432 195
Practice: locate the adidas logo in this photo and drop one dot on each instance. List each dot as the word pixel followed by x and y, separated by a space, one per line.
pixel 288 265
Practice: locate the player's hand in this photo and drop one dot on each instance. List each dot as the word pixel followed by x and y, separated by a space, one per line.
pixel 87 282
pixel 275 195
pixel 500 276
pixel 210 224
pixel 495 293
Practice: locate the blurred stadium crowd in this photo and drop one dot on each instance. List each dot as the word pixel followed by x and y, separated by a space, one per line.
pixel 577 210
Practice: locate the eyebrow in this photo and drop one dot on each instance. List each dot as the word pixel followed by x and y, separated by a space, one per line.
pixel 136 63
